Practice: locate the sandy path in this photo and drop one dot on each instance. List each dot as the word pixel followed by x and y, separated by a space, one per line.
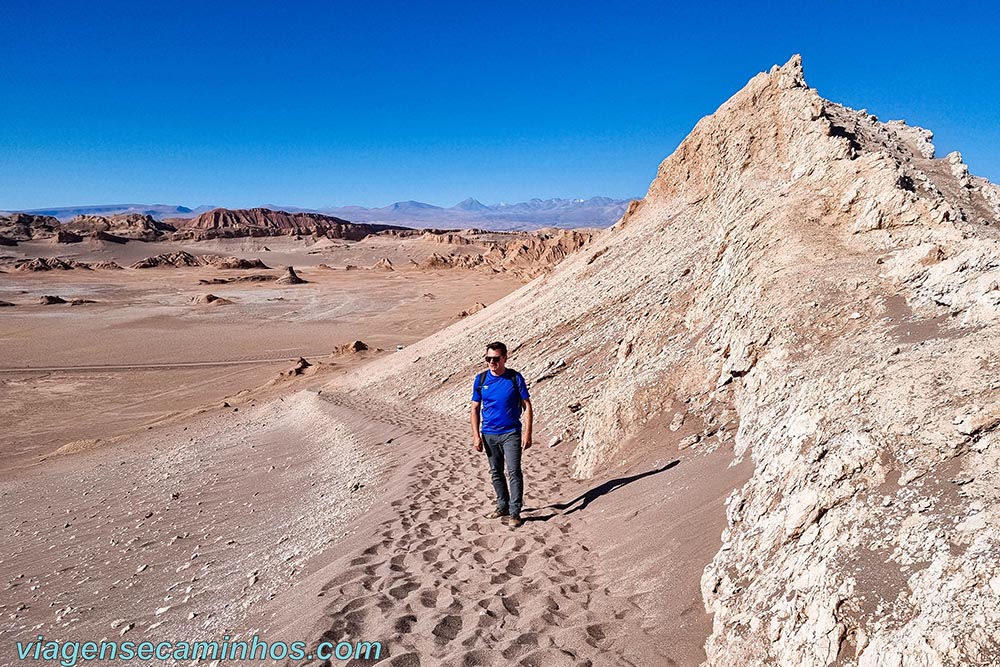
pixel 321 516
pixel 438 584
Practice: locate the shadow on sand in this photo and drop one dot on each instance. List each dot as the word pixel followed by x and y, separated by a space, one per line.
pixel 607 487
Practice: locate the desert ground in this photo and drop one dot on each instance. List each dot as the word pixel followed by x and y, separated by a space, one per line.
pixel 146 348
pixel 171 470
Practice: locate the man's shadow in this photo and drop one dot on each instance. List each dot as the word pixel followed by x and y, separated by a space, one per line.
pixel 606 487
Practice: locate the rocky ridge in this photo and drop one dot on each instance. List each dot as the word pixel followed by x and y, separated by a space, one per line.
pixel 231 223
pixel 26 227
pixel 822 294
pixel 50 264
pixel 525 256
pixel 115 228
pixel 183 258
pixel 126 226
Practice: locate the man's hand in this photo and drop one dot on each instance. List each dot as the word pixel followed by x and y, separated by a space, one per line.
pixel 477 437
pixel 528 417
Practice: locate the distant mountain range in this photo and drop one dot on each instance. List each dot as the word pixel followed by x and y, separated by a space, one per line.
pixel 531 214
pixel 158 211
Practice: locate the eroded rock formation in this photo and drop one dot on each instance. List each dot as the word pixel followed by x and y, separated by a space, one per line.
pixel 183 258
pixel 27 227
pixel 231 223
pixel 115 228
pixel 179 258
pixel 526 255
pixel 290 277
pixel 49 264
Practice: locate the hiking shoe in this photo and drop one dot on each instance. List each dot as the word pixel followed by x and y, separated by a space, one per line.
pixel 516 521
pixel 496 514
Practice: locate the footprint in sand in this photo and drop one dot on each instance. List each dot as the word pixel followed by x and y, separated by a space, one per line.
pixel 428 597
pixel 476 658
pixel 448 628
pixel 521 645
pixel 549 657
pixel 404 624
pixel 441 586
pixel 398 563
pixel 403 590
pixel 515 566
pixel 402 660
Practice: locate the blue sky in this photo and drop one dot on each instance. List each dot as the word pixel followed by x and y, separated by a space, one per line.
pixel 331 103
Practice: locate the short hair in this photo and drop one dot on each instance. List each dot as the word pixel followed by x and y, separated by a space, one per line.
pixel 499 347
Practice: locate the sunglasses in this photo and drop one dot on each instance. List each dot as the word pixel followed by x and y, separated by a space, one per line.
pixel 491 360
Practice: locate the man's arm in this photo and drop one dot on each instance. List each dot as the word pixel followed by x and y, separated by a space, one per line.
pixel 526 427
pixel 477 438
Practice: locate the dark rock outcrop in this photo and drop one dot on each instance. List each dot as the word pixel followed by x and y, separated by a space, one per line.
pixel 212 299
pixel 352 348
pixel 179 258
pixel 290 278
pixel 129 226
pixel 107 237
pixel 27 227
pixel 49 264
pixel 221 262
pixel 66 236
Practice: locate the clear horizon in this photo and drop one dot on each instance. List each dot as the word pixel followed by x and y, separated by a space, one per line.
pixel 331 105
pixel 275 206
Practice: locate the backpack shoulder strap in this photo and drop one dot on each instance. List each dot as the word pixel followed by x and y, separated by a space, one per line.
pixel 480 380
pixel 512 375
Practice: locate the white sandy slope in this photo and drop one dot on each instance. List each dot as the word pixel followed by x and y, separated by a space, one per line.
pixel 179 533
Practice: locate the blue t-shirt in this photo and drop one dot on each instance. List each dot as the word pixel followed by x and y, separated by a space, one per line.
pixel 501 397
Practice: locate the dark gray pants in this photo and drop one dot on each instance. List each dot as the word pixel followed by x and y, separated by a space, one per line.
pixel 502 449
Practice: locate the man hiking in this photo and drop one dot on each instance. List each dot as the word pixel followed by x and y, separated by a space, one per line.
pixel 502 394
